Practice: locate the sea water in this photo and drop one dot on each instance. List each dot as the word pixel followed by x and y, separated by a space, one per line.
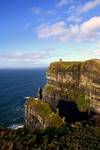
pixel 15 85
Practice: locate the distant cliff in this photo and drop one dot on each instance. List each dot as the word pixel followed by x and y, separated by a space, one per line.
pixel 74 81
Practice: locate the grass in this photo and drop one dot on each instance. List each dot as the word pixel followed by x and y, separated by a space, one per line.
pixel 58 67
pixel 41 108
pixel 66 137
pixel 83 103
pixel 45 112
pixel 62 67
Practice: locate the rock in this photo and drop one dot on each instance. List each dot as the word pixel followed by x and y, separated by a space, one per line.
pixel 72 89
pixel 39 115
pixel 74 81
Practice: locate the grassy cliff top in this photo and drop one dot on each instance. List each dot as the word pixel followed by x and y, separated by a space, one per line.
pixel 41 108
pixel 44 111
pixel 57 67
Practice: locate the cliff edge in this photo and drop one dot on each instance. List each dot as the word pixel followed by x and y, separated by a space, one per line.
pixel 39 115
pixel 72 91
pixel 74 81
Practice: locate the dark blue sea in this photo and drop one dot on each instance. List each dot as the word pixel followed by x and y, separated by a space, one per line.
pixel 15 85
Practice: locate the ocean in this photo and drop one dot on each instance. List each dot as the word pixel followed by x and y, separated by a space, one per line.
pixel 15 85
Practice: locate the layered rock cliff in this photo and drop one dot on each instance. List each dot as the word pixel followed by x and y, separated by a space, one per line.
pixel 72 91
pixel 39 115
pixel 74 81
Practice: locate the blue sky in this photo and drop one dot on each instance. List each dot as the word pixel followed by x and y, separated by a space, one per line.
pixel 34 33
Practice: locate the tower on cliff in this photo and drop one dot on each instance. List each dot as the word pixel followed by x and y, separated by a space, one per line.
pixel 60 60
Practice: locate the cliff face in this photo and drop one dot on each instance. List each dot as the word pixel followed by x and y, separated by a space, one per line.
pixel 39 115
pixel 72 90
pixel 74 81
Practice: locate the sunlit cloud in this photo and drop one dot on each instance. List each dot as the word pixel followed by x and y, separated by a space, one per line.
pixel 90 29
pixel 90 5
pixel 26 57
pixel 49 30
pixel 60 30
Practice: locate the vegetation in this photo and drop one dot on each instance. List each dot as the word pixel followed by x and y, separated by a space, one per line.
pixel 44 111
pixel 41 108
pixel 58 136
pixel 67 137
pixel 82 103
pixel 61 67
pixel 49 89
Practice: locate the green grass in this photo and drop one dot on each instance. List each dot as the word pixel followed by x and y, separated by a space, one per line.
pixel 62 67
pixel 82 103
pixel 66 137
pixel 41 108
pixel 58 67
pixel 45 112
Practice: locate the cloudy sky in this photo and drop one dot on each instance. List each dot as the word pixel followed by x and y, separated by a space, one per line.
pixel 34 33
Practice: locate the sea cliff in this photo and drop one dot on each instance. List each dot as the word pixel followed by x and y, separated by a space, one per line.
pixel 72 92
pixel 39 115
pixel 74 81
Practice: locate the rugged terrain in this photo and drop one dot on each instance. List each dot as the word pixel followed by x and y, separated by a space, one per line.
pixel 66 137
pixel 39 115
pixel 72 92
pixel 74 81
pixel 61 118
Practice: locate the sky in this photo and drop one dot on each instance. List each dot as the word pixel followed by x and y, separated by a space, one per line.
pixel 34 33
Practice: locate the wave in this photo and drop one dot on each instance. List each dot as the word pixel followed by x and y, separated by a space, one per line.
pixel 16 126
pixel 27 97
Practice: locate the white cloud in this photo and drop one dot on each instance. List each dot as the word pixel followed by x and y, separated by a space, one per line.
pixel 91 25
pixel 75 11
pixel 98 33
pixel 49 30
pixel 90 29
pixel 60 30
pixel 25 57
pixel 70 32
pixel 74 18
pixel 90 5
pixel 62 3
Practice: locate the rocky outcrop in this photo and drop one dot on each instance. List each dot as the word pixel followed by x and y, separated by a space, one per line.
pixel 72 91
pixel 39 115
pixel 74 81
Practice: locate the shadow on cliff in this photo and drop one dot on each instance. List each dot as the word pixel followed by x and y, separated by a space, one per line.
pixel 69 110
